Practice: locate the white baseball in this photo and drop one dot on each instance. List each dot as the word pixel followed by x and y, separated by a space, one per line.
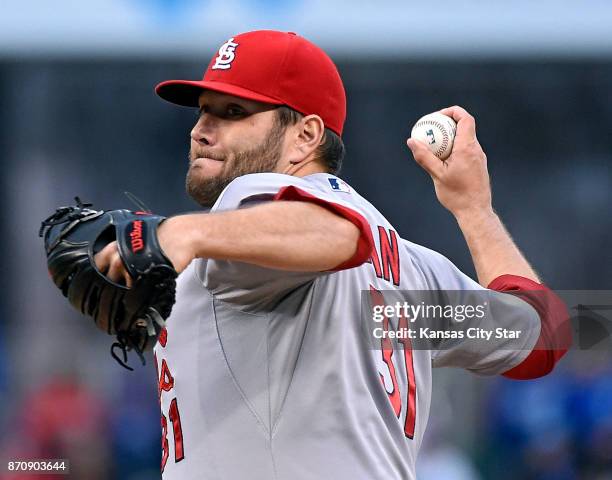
pixel 437 131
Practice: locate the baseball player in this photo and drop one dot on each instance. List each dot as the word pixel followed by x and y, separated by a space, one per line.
pixel 263 368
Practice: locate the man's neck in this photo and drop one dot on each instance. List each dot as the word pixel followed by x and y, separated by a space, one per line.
pixel 307 167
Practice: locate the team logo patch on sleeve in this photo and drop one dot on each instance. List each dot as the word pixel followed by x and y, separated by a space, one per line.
pixel 339 185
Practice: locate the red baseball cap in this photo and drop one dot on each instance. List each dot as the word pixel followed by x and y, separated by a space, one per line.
pixel 273 67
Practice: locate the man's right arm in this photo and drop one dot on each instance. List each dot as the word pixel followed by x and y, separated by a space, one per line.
pixel 493 251
pixel 462 186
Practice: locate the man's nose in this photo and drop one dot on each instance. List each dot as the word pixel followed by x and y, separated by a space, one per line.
pixel 204 130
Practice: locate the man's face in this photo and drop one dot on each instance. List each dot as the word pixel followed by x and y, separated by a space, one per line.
pixel 232 137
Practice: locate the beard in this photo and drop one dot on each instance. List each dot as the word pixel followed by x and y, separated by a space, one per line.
pixel 261 158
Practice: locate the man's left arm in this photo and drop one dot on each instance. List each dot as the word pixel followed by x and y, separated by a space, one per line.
pixel 282 235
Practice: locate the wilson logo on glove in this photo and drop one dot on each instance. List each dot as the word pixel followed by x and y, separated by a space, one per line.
pixel 136 241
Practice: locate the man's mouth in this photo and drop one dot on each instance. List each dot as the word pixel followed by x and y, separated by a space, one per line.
pixel 200 160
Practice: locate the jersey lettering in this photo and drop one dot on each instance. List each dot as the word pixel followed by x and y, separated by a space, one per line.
pixel 387 356
pixel 163 337
pixel 165 445
pixel 375 261
pixel 387 263
pixel 175 418
pixel 166 380
pixel 166 384
pixel 410 422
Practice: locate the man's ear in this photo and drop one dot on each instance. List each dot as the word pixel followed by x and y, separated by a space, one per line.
pixel 310 132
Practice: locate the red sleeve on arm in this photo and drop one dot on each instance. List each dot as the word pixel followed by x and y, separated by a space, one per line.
pixel 555 332
pixel 366 241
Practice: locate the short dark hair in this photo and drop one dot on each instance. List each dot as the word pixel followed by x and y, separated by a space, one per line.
pixel 331 152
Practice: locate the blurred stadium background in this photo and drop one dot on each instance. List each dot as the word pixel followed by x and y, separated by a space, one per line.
pixel 79 116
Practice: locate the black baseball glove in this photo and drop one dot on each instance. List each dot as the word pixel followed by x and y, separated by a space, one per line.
pixel 136 315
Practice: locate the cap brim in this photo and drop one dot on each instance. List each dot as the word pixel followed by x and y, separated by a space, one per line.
pixel 187 92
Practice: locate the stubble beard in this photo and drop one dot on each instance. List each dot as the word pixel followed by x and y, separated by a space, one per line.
pixel 261 158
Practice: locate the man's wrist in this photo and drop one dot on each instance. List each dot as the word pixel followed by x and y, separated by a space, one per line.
pixel 193 232
pixel 180 232
pixel 475 219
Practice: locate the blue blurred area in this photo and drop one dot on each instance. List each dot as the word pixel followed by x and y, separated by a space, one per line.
pixel 135 430
pixel 168 12
pixel 390 29
pixel 557 427
pixel 3 363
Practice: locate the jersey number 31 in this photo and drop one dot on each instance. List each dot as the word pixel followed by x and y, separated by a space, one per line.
pixel 387 352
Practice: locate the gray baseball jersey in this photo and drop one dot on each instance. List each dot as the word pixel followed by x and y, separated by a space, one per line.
pixel 267 374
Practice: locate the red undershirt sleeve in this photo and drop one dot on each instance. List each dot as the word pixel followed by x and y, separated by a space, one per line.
pixel 555 331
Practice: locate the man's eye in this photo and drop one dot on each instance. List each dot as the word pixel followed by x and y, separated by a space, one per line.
pixel 233 111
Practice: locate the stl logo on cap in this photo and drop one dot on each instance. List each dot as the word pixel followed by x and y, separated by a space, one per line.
pixel 226 55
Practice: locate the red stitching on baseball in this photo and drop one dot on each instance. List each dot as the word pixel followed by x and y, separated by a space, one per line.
pixel 445 137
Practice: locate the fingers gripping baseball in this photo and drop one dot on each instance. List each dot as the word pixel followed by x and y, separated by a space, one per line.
pixel 427 160
pixel 462 181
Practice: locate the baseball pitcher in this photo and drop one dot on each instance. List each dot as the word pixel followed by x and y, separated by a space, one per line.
pixel 263 368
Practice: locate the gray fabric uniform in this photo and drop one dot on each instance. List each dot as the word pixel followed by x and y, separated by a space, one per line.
pixel 272 375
